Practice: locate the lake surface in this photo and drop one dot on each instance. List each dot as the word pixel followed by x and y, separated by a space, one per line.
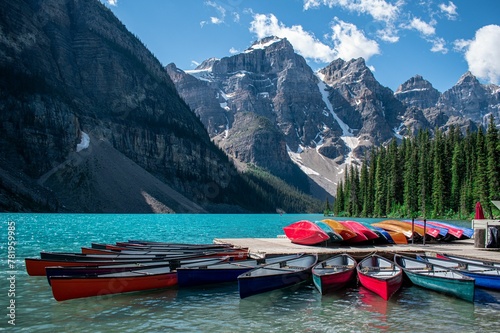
pixel 215 308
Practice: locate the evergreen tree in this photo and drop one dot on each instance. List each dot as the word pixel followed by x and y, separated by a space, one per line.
pixel 493 162
pixel 481 192
pixel 438 184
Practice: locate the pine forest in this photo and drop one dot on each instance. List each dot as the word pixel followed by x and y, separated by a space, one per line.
pixel 426 176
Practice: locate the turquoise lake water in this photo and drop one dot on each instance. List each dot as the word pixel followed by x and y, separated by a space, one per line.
pixel 215 308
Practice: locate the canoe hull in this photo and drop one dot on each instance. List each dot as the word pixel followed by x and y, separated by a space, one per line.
pixel 333 282
pixel 276 275
pixel 437 278
pixel 463 289
pixel 70 288
pixel 380 275
pixel 334 273
pixel 194 277
pixel 305 233
pixel 257 285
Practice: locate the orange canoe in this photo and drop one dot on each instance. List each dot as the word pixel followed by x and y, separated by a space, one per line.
pixel 341 229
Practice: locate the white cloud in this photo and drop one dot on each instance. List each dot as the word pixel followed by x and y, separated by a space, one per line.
pixel 232 50
pixel 482 53
pixel 194 63
pixel 450 10
pixel 112 2
pixel 438 45
pixel 215 19
pixel 305 43
pixel 424 28
pixel 380 10
pixel 349 42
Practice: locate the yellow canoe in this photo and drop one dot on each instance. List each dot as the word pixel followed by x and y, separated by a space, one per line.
pixel 396 226
pixel 341 229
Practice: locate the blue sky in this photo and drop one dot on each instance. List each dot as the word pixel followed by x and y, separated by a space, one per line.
pixel 438 39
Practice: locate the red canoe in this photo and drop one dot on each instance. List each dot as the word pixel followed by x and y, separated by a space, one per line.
pixel 334 273
pixel 380 275
pixel 68 287
pixel 305 233
pixel 360 237
pixel 359 228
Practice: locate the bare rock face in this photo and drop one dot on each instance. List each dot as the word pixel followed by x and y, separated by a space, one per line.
pixel 417 92
pixel 360 101
pixel 70 67
pixel 268 81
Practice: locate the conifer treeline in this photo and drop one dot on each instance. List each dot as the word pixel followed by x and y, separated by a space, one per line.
pixel 437 177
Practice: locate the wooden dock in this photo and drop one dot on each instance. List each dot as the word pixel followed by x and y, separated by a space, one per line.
pixel 261 247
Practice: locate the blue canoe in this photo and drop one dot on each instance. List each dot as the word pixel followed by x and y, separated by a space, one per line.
pixel 277 275
pixel 486 276
pixel 224 271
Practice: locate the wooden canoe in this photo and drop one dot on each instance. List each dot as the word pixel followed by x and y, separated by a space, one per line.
pixel 341 229
pixel 305 233
pixel 486 276
pixel 223 272
pixel 334 273
pixel 380 275
pixel 277 275
pixel 437 278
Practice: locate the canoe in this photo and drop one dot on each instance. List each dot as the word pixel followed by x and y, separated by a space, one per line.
pixel 172 245
pixel 380 275
pixel 437 278
pixel 486 276
pixel 305 233
pixel 223 272
pixel 441 234
pixel 114 256
pixel 398 237
pixel 234 253
pixel 142 245
pixel 466 232
pixel 334 273
pixel 428 230
pixel 396 227
pixel 81 271
pixel 360 229
pixel 37 266
pixel 469 260
pixel 383 235
pixel 334 236
pixel 70 287
pixel 341 229
pixel 277 275
pixel 453 231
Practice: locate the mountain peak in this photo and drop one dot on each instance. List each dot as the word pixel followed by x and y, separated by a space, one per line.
pixel 468 78
pixel 417 92
pixel 266 42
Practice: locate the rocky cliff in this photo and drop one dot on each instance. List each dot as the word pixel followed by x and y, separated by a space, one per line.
pixel 265 99
pixel 91 122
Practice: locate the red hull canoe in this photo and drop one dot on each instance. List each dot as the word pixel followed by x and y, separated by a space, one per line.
pixel 380 275
pixel 334 273
pixel 360 237
pixel 65 288
pixel 345 232
pixel 234 253
pixel 359 228
pixel 305 233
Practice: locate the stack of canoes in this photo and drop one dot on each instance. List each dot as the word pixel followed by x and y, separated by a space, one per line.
pixel 431 230
pixel 125 267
